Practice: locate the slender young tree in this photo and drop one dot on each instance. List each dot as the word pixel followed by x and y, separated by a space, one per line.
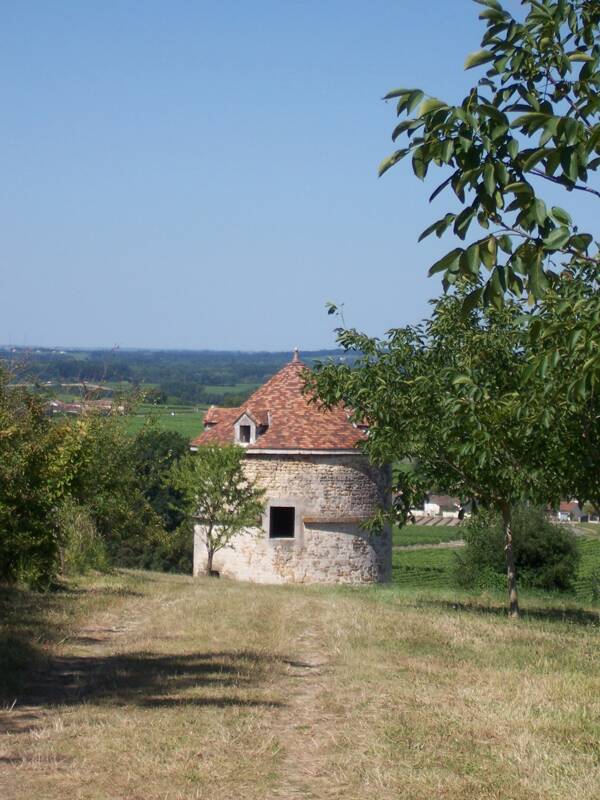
pixel 444 400
pixel 219 495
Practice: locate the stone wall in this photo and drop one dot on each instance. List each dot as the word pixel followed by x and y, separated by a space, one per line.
pixel 332 494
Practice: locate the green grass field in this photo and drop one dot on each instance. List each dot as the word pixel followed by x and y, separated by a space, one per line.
pixel 418 534
pixel 435 568
pixel 590 529
pixel 236 388
pixel 587 584
pixel 424 568
pixel 186 420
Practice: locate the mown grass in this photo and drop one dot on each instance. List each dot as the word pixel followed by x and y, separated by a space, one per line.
pixel 424 693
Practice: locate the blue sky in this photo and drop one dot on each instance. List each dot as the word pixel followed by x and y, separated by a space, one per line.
pixel 203 175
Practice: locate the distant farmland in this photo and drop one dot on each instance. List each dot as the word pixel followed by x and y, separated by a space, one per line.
pixel 186 420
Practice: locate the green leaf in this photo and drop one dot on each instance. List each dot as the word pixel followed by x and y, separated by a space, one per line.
pixel 471 301
pixel 502 175
pixel 389 162
pixel 396 93
pixel 581 242
pixel 461 225
pixel 579 388
pixel 519 187
pixel 569 163
pixel 405 125
pixel 472 258
pixel 557 239
pixel 490 4
pixel 440 188
pixel 489 179
pixel 513 148
pixel 533 157
pixel 488 252
pixel 574 338
pixel 540 211
pixel 580 57
pixel 550 128
pixel 560 215
pixel 505 243
pixel 414 100
pixel 448 261
pixel 439 226
pixel 431 104
pixel 478 58
pixel 419 162
pixel 538 283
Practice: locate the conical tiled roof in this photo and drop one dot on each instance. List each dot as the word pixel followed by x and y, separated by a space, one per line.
pixel 288 420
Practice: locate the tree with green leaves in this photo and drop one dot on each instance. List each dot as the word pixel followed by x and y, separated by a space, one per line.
pixel 35 475
pixel 444 402
pixel 531 122
pixel 220 497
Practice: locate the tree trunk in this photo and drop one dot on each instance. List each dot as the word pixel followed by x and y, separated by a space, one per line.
pixel 209 561
pixel 511 572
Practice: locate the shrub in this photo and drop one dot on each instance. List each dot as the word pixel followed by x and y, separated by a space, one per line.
pixel 173 552
pixel 546 554
pixel 80 546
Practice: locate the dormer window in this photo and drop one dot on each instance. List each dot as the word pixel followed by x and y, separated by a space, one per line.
pixel 245 430
pixel 245 433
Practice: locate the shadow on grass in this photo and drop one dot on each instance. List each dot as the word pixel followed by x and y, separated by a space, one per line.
pixel 31 621
pixel 574 616
pixel 148 680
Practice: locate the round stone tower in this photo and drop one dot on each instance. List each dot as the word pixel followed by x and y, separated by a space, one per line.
pixel 319 489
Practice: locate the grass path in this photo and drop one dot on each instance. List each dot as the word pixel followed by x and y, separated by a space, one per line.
pixel 154 686
pixel 302 727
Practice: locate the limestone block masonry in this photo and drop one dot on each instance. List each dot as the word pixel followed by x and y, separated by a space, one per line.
pixel 331 495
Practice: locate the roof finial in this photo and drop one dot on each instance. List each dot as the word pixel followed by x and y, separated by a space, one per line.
pixel 296 355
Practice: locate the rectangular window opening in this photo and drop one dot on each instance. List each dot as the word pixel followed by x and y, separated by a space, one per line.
pixel 244 433
pixel 282 522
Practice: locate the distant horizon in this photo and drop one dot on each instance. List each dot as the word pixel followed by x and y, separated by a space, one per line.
pixel 84 349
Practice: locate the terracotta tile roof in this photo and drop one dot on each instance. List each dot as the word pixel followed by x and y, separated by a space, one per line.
pixel 259 415
pixel 293 423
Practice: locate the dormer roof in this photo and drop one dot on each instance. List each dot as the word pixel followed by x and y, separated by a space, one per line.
pixel 291 422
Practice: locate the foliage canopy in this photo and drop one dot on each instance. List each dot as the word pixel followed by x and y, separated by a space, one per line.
pixel 531 121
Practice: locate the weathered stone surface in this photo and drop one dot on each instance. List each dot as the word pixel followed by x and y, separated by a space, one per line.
pixel 334 493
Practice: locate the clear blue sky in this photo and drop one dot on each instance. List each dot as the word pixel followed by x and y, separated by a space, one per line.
pixel 186 174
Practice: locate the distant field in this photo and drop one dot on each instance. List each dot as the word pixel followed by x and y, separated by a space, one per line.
pixel 237 388
pixel 422 534
pixel 424 568
pixel 434 568
pixel 591 529
pixel 186 420
pixel 587 585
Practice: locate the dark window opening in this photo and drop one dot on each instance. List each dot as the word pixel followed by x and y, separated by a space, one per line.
pixel 281 522
pixel 244 433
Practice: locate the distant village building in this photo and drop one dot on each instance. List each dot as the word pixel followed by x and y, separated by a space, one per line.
pixel 319 489
pixel 102 406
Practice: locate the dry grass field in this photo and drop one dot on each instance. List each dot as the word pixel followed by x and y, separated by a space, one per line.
pixel 142 685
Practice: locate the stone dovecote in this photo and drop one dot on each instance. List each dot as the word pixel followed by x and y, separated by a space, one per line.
pixel 319 487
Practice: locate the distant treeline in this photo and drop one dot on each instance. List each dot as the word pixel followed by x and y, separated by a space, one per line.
pixel 177 376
